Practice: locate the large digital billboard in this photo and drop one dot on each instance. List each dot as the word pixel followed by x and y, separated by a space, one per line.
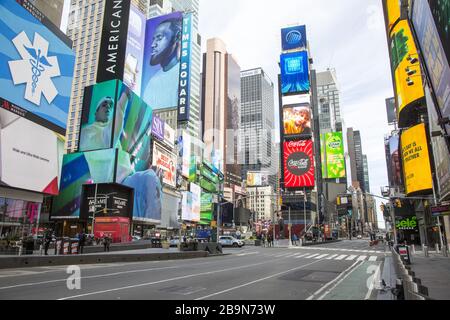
pixel 393 12
pixel 298 164
pixel 409 88
pixel 333 144
pixel 416 160
pixel 115 117
pixel 166 162
pixel 434 53
pixel 184 91
pixel 294 73
pixel 79 169
pixel 293 38
pixel 162 54
pixel 196 202
pixel 30 155
pixel 257 179
pixel 297 120
pixel 36 68
pixel 145 179
pixel 394 161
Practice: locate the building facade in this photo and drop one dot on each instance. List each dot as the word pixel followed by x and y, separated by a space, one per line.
pixel 260 202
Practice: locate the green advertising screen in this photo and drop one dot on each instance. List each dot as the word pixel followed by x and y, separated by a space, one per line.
pixel 207 185
pixel 206 202
pixel 205 172
pixel 334 155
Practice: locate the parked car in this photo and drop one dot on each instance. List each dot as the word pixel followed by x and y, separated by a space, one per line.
pixel 229 241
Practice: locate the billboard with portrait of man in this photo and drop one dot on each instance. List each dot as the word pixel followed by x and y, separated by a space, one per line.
pixel 297 120
pixel 161 66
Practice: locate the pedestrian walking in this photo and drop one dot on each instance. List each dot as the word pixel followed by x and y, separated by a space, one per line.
pixel 81 242
pixel 47 241
pixel 106 242
pixel 263 240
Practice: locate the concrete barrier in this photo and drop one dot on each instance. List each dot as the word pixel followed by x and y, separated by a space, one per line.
pixel 39 261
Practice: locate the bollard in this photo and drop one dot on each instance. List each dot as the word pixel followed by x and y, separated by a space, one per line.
pixel 436 246
pixel 425 251
pixel 413 249
pixel 445 251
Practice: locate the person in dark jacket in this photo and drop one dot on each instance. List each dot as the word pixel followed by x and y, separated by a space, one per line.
pixel 81 242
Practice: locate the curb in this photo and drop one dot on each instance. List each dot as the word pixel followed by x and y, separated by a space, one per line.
pixel 41 261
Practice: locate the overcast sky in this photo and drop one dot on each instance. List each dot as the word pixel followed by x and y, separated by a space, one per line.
pixel 347 35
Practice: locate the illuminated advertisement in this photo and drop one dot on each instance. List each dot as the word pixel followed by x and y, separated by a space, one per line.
pixel 393 12
pixel 186 156
pixel 256 179
pixel 166 162
pixel 145 179
pixel 36 68
pixel 294 73
pixel 158 128
pixel 169 136
pixel 79 169
pixel 416 160
pixel 30 155
pixel 395 177
pixel 434 50
pixel 297 120
pixel 162 54
pixel 409 88
pixel 293 38
pixel 334 155
pixel 206 204
pixel 113 43
pixel 298 164
pixel 116 199
pixel 170 208
pixel 132 72
pixel 196 202
pixel 186 206
pixel 184 91
pixel 121 121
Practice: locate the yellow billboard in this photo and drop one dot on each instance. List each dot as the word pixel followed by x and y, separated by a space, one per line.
pixel 416 160
pixel 393 12
pixel 406 66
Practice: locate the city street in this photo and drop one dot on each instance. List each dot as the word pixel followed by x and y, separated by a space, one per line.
pixel 342 270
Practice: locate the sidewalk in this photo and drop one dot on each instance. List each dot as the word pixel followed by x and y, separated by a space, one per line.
pixel 434 273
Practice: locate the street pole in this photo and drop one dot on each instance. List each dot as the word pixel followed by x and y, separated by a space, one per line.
pixel 95 209
pixel 290 235
pixel 304 213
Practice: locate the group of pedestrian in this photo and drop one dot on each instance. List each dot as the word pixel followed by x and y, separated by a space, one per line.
pixel 106 241
pixel 267 240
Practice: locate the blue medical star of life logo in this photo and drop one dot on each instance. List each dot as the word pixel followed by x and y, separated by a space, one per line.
pixel 36 68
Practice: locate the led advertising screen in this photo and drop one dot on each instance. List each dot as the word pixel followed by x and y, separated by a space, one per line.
pixel 186 206
pixel 416 160
pixel 36 68
pixel 184 91
pixel 395 161
pixel 29 155
pixel 257 179
pixel 166 162
pixel 196 202
pixel 158 128
pixel 298 164
pixel 162 54
pixel 115 121
pixel 297 120
pixel 294 73
pixel 409 89
pixel 334 155
pixel 146 182
pixel 434 52
pixel 132 72
pixel 116 199
pixel 393 12
pixel 293 38
pixel 79 169
pixel 170 209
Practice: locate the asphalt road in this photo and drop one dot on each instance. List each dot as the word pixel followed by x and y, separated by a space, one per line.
pixel 346 270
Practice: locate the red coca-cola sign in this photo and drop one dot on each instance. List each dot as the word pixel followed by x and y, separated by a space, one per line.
pixel 298 164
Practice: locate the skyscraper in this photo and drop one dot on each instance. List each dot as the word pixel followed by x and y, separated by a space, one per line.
pixel 221 99
pixel 160 7
pixel 257 125
pixel 85 29
pixel 52 9
pixel 329 102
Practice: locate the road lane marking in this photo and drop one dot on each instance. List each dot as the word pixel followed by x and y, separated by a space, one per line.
pixel 311 256
pixel 301 256
pixel 321 256
pixel 373 258
pixel 332 257
pixel 246 254
pixel 165 280
pixel 341 257
pixel 342 274
pixel 256 281
pixel 352 257
pixel 362 258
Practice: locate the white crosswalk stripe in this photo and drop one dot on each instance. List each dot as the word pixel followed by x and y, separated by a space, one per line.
pixel 321 256
pixel 341 257
pixel 361 258
pixel 301 256
pixel 373 258
pixel 352 257
pixel 332 256
pixel 311 256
